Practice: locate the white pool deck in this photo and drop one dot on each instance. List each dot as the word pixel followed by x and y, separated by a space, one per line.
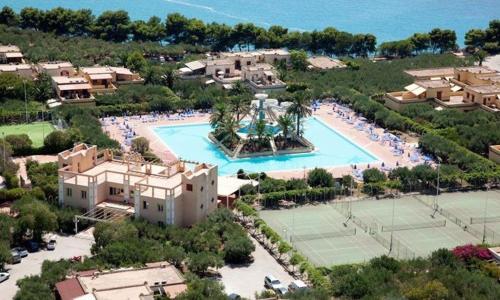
pixel 324 113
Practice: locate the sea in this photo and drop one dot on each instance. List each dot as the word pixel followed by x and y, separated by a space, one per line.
pixel 387 19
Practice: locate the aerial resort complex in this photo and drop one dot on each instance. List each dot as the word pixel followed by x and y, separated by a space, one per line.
pixel 209 157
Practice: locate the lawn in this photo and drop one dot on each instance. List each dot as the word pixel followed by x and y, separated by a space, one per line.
pixel 36 131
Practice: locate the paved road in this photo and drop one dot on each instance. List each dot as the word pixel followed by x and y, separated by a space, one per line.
pixel 66 247
pixel 246 280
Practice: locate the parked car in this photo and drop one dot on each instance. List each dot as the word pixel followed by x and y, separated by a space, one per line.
pixel 281 290
pixel 21 251
pixel 33 246
pixel 4 276
pixel 15 258
pixel 271 282
pixel 51 245
pixel 297 285
pixel 234 296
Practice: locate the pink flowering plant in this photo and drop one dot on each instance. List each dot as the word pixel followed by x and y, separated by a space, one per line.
pixel 468 252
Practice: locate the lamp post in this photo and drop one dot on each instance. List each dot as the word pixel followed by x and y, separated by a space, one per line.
pixel 392 224
pixel 25 100
pixel 485 213
pixel 435 204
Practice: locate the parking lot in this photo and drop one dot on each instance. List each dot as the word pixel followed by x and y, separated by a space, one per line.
pixel 66 247
pixel 248 279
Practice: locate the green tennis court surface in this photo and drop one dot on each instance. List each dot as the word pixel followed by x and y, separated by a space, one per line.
pixel 36 131
pixel 343 232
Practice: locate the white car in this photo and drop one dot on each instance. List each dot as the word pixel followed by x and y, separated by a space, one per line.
pixel 271 282
pixel 297 285
pixel 51 245
pixel 4 276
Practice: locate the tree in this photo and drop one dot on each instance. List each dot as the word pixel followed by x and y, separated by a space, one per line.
pixel 5 254
pixel 8 17
pixel 285 123
pixel 237 247
pixel 444 40
pixel 199 263
pixel 21 143
pixel 176 27
pixel 284 248
pixel 373 175
pixel 152 30
pixel 136 61
pixel 42 88
pixel 240 105
pixel 32 18
pixel 174 255
pixel 203 289
pixel 113 26
pixel 220 113
pixel 475 38
pixel 433 290
pixel 300 108
pixel 480 55
pixel 34 216
pixel 420 41
pixel 140 145
pixel 105 233
pixel 230 128
pixel 298 59
pixel 58 141
pixel 319 177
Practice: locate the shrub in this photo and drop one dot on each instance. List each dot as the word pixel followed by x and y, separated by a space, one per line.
pixel 319 178
pixel 468 252
pixel 21 144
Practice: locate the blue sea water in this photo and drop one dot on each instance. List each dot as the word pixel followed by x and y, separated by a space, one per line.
pixel 332 149
pixel 387 19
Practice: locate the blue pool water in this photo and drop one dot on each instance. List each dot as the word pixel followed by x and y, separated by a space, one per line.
pixel 387 19
pixel 191 142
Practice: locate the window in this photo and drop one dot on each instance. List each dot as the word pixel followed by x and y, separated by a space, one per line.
pixel 189 187
pixel 213 182
pixel 69 192
pixel 201 206
pixel 201 189
pixel 144 205
pixel 112 191
pixel 160 207
pixel 249 63
pixel 212 200
pixel 84 194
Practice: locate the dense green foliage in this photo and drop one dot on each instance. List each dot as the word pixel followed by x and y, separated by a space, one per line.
pixel 487 40
pixel 437 40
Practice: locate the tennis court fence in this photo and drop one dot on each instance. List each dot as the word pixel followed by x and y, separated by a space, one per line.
pixel 324 235
pixel 398 249
pixel 423 225
pixel 481 220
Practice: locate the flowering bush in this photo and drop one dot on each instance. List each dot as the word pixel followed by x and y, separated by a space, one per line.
pixel 469 251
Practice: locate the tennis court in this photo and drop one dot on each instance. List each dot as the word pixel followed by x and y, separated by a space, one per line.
pixel 478 212
pixel 413 225
pixel 37 131
pixel 318 233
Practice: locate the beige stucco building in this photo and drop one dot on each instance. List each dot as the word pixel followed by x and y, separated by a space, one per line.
pixel 180 193
pixel 23 70
pixel 494 153
pixel 464 88
pixel 10 54
pixel 106 79
pixel 57 68
pixel 72 90
pixel 227 68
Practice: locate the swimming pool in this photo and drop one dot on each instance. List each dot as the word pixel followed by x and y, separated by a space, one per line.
pixel 190 142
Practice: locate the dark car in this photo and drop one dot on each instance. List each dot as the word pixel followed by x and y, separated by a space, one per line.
pixel 33 246
pixel 21 251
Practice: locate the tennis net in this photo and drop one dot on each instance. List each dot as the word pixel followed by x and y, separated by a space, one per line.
pixel 324 235
pixel 480 220
pixel 414 226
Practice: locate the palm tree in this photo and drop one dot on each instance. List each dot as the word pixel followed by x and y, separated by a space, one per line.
pixel 220 112
pixel 260 131
pixel 300 107
pixel 240 105
pixel 285 123
pixel 230 128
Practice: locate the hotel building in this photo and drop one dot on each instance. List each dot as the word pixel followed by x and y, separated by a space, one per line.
pixel 180 193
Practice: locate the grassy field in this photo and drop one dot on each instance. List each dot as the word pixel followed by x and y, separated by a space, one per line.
pixel 36 131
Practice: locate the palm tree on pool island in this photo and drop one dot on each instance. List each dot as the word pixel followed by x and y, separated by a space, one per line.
pixel 300 107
